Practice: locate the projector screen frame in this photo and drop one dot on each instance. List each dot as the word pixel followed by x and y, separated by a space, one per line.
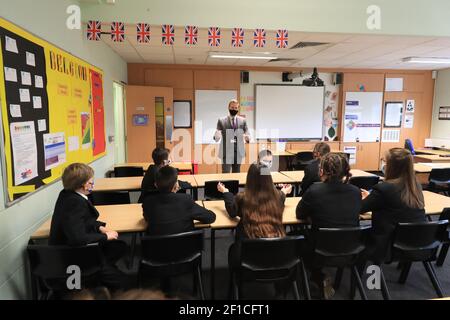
pixel 283 139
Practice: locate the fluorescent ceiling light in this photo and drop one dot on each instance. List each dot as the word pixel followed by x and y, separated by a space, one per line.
pixel 235 56
pixel 427 60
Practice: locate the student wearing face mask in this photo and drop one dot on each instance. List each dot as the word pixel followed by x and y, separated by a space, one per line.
pixel 74 222
pixel 232 132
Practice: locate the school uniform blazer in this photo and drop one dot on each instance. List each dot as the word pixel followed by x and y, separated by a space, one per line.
pixel 330 205
pixel 311 176
pixel 387 211
pixel 171 213
pixel 74 221
pixel 227 133
pixel 234 204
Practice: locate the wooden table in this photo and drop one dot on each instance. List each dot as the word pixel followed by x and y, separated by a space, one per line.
pixel 131 183
pixel 241 177
pixel 430 158
pixel 182 166
pixel 298 175
pixel 432 151
pixel 423 170
pixel 297 150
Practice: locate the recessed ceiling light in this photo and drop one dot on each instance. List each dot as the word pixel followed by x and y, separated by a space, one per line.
pixel 236 56
pixel 425 60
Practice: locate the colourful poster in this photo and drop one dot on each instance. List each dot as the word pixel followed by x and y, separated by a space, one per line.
pixel 98 113
pixel 85 130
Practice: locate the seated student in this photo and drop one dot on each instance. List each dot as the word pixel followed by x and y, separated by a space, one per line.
pixel 332 203
pixel 312 169
pixel 169 212
pixel 398 198
pixel 160 158
pixel 265 157
pixel 74 222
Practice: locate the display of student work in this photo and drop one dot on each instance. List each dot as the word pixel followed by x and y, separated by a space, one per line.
pixel 362 116
pixel 52 110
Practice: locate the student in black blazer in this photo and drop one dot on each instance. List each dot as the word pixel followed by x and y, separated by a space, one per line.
pixel 169 212
pixel 161 159
pixel 398 199
pixel 332 203
pixel 74 222
pixel 312 169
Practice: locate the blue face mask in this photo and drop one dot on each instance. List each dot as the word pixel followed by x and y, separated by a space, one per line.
pixel 91 187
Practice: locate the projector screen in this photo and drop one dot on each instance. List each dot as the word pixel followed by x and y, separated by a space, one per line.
pixel 289 112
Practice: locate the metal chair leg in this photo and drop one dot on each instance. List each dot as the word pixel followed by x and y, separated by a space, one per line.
pixel 235 288
pixel 305 280
pixel 442 254
pixel 362 292
pixel 200 283
pixel 384 288
pixel 338 278
pixel 405 272
pixel 432 275
pixel 296 294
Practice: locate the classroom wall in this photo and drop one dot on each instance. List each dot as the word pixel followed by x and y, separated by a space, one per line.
pixel 47 19
pixel 440 129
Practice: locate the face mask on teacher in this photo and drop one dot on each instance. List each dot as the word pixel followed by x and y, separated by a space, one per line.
pixel 233 112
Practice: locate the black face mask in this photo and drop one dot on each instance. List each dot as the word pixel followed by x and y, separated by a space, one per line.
pixel 233 112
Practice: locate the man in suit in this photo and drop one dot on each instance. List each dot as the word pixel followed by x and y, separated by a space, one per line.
pixel 312 170
pixel 232 131
pixel 169 212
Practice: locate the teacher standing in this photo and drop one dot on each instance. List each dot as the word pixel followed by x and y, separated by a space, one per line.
pixel 232 131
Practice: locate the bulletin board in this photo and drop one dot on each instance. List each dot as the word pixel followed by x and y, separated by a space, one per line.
pixel 52 111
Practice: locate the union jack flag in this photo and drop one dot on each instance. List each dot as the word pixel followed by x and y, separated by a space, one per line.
pixel 214 37
pixel 190 35
pixel 94 30
pixel 117 31
pixel 237 37
pixel 259 38
pixel 282 38
pixel 143 32
pixel 168 34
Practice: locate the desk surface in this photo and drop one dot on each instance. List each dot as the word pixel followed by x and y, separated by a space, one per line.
pixel 431 151
pixel 184 166
pixel 242 177
pixel 430 158
pixel 298 175
pixel 297 150
pixel 131 183
pixel 427 167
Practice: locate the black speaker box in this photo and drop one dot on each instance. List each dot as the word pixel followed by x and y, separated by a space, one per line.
pixel 245 76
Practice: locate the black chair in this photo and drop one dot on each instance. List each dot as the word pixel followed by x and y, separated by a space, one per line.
pixel 49 267
pixel 102 198
pixel 439 181
pixel 269 260
pixel 445 215
pixel 211 192
pixel 365 182
pixel 128 172
pixel 341 248
pixel 418 242
pixel 171 255
pixel 302 159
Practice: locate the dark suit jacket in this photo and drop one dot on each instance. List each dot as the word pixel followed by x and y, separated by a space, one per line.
pixel 74 221
pixel 311 175
pixel 227 133
pixel 387 211
pixel 170 213
pixel 234 205
pixel 330 205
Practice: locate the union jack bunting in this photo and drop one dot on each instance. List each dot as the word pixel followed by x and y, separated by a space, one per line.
pixel 259 38
pixel 214 37
pixel 143 32
pixel 117 31
pixel 168 34
pixel 237 37
pixel 190 35
pixel 94 30
pixel 282 38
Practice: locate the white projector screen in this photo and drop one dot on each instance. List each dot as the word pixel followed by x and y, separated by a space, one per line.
pixel 289 112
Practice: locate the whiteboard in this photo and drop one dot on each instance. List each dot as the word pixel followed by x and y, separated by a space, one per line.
pixel 362 116
pixel 210 105
pixel 289 112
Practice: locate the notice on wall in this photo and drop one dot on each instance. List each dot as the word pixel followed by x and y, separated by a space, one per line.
pixel 85 130
pixel 24 148
pixel 391 135
pixel 351 151
pixel 55 150
pixel 409 121
pixel 394 85
pixel 410 106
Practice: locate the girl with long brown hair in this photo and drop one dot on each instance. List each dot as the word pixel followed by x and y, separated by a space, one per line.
pixel 398 199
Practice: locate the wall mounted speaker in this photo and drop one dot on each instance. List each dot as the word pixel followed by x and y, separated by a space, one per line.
pixel 245 77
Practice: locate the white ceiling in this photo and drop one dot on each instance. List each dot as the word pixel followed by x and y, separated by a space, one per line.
pixel 343 50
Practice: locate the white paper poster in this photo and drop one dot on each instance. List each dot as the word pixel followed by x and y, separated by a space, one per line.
pixel 24 95
pixel 74 143
pixel 10 74
pixel 410 106
pixel 409 121
pixel 31 61
pixel 11 45
pixel 23 140
pixel 351 151
pixel 55 150
pixel 393 114
pixel 37 102
pixel 391 135
pixel 42 125
pixel 15 111
pixel 38 82
pixel 26 78
pixel 394 84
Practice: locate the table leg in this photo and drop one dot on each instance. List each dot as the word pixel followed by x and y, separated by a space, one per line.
pixel 213 263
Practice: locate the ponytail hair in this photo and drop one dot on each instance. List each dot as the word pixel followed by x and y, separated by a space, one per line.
pixel 335 168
